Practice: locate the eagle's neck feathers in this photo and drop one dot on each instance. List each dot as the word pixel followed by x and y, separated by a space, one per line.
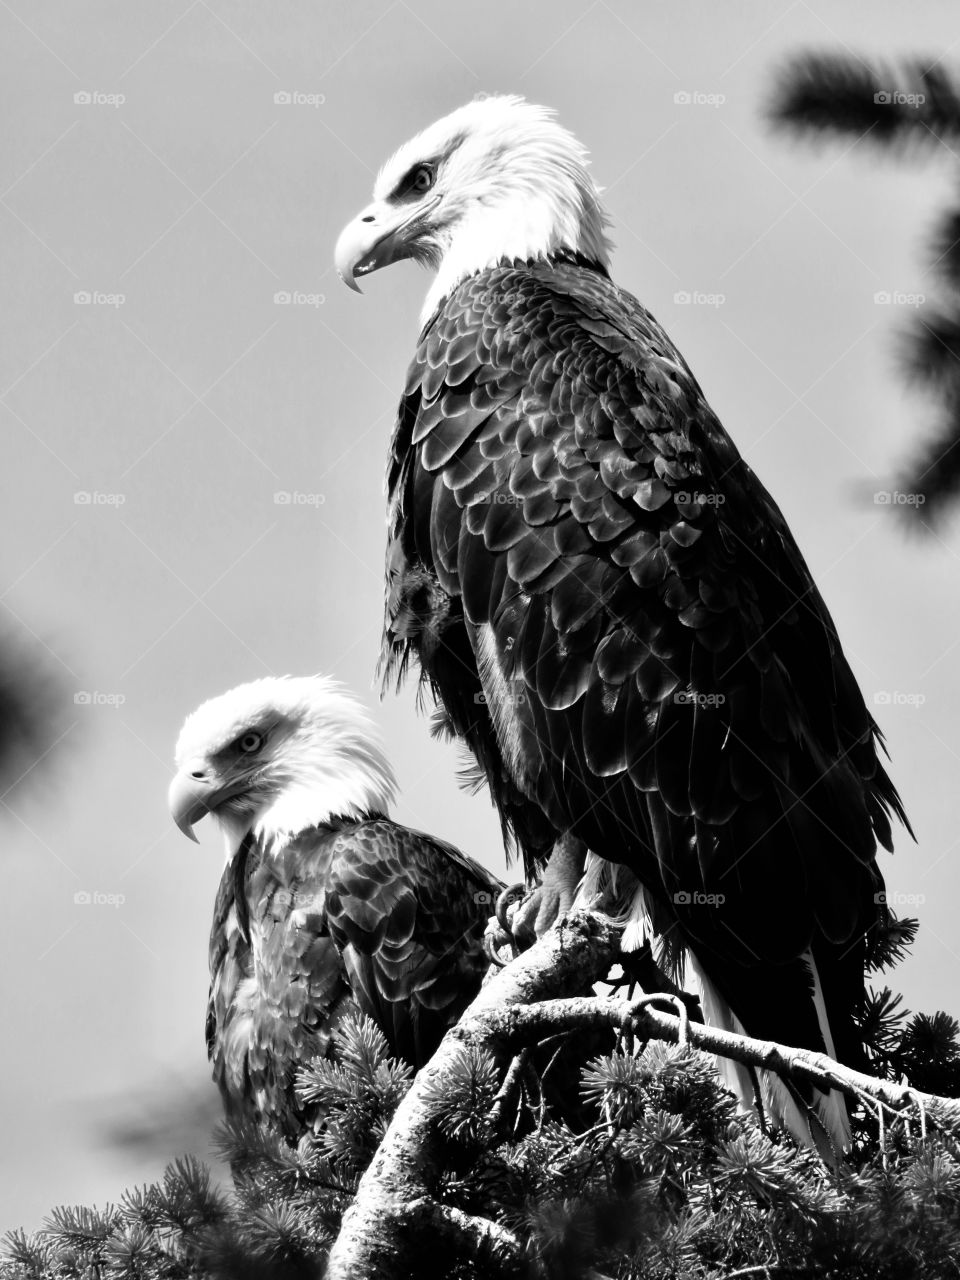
pixel 348 780
pixel 543 201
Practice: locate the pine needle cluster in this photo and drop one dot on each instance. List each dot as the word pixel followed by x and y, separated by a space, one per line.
pixel 654 1173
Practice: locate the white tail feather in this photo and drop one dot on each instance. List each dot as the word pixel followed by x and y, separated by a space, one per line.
pixel 616 891
pixel 781 1106
pixel 830 1106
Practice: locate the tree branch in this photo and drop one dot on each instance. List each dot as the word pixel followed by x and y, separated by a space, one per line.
pixel 514 1027
pixel 396 1224
pixel 464 1236
pixel 379 1238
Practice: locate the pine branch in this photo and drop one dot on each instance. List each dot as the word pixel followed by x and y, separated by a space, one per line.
pixel 468 1237
pixel 378 1238
pixel 829 93
pixel 511 1028
pixel 527 1003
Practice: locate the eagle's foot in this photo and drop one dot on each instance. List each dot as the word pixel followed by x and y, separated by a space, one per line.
pixel 498 940
pixel 553 897
pixel 640 970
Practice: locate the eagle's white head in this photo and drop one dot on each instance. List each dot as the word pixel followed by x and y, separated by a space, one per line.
pixel 277 756
pixel 496 179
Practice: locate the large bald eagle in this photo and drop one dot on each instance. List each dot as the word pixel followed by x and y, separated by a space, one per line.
pixel 326 905
pixel 609 605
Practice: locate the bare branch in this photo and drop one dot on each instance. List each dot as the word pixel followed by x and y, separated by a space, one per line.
pixel 512 1028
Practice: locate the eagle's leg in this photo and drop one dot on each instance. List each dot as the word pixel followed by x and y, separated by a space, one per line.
pixel 641 969
pixel 553 897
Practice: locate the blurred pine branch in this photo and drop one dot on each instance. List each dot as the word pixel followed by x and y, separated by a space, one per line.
pixel 911 111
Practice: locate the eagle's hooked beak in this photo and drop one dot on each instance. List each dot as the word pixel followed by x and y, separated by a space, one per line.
pixel 380 235
pixel 192 796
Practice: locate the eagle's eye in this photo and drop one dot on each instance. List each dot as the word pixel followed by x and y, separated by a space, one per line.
pixel 250 743
pixel 422 179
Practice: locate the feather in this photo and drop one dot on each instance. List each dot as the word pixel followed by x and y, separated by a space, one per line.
pixel 689 711
pixel 326 907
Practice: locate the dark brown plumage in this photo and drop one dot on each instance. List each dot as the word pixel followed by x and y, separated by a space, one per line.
pixel 357 916
pixel 326 907
pixel 617 620
pixel 606 601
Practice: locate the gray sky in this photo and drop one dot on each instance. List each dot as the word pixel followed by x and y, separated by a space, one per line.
pixel 197 399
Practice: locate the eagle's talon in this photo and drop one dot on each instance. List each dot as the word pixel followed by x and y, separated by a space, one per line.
pixel 511 895
pixel 495 939
pixel 493 955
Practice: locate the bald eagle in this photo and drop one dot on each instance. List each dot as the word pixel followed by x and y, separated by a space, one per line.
pixel 608 604
pixel 326 906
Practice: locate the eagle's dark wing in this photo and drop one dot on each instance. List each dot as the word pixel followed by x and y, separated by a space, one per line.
pixel 408 913
pixel 278 987
pixel 618 621
pixel 366 916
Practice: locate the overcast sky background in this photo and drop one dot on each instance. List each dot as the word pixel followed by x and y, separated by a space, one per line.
pixel 198 198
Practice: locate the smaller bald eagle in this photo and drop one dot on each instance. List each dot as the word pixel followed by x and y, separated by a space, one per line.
pixel 327 906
